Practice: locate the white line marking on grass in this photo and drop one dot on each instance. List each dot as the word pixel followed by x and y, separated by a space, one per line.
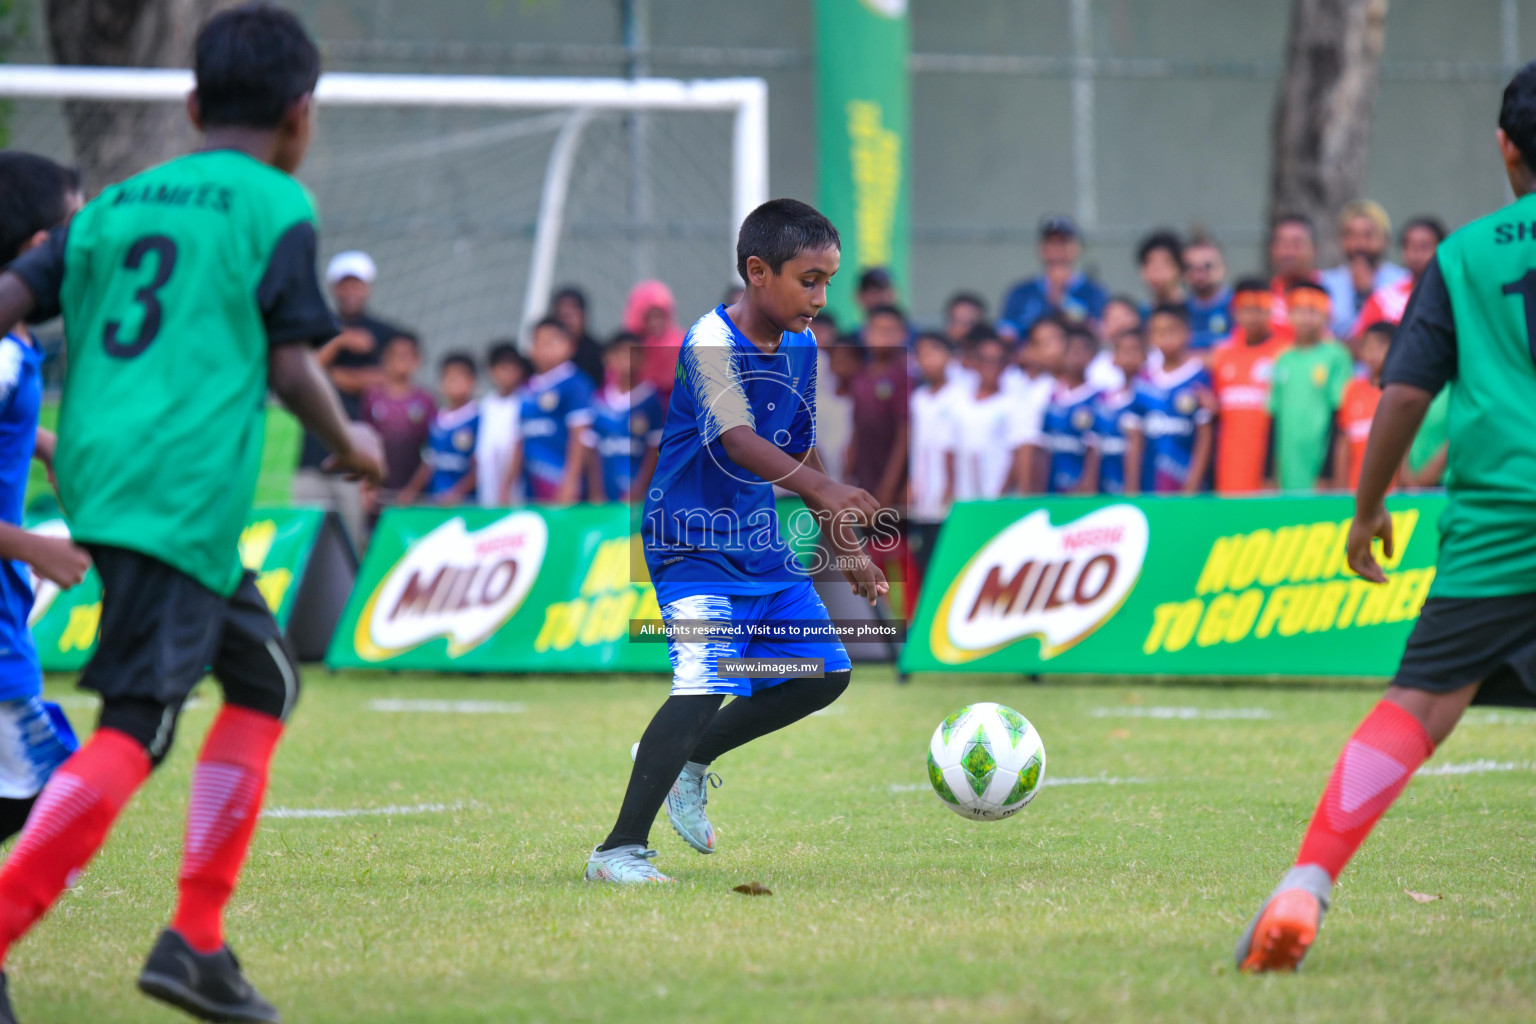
pixel 1071 780
pixel 450 707
pixel 1478 767
pixel 1182 713
pixel 1498 718
pixel 1091 780
pixel 357 812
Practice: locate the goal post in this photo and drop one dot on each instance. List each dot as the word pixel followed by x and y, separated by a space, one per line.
pixel 569 106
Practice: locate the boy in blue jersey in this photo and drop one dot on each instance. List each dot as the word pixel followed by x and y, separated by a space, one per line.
pixel 1069 421
pixel 742 418
pixel 447 472
pixel 557 410
pixel 1168 437
pixel 626 428
pixel 1106 444
pixel 36 195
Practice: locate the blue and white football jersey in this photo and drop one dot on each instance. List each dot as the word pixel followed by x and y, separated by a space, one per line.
pixel 1067 426
pixel 711 527
pixel 451 446
pixel 1167 408
pixel 556 403
pixel 624 425
pixel 1108 409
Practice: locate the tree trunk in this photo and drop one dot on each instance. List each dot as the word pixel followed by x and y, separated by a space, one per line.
pixel 1322 127
pixel 115 140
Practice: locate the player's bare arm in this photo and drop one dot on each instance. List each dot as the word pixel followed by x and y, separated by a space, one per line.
pixel 758 455
pixel 56 559
pixel 1397 420
pixel 1200 458
pixel 864 577
pixel 1135 447
pixel 301 384
pixel 15 302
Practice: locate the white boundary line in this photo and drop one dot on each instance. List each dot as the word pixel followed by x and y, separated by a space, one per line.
pixel 357 812
pixel 1481 766
pixel 448 707
pixel 1182 714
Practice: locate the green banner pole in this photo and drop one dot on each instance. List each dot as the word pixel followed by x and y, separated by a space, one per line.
pixel 862 129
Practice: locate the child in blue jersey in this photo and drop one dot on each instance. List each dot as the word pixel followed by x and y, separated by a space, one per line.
pixel 742 418
pixel 1168 433
pixel 1106 444
pixel 36 195
pixel 557 410
pixel 447 472
pixel 626 428
pixel 1069 420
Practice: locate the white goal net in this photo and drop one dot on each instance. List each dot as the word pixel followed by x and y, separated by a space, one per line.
pixel 474 195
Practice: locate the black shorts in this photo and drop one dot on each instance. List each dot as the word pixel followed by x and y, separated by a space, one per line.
pixel 162 632
pixel 1459 641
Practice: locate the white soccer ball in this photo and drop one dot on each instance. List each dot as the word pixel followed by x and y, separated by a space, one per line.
pixel 986 762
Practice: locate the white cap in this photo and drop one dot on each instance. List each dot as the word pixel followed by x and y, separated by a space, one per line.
pixel 351 263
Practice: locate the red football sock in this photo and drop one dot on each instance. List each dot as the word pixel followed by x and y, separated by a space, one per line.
pixel 67 826
pixel 227 786
pixel 1371 773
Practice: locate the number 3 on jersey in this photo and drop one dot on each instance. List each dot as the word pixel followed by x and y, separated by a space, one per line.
pixel 164 251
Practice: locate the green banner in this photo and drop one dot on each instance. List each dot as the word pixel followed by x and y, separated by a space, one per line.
pixel 862 131
pixel 1177 586
pixel 480 590
pixel 276 545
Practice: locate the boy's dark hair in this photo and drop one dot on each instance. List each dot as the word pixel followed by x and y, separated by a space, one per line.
pixel 1386 328
pixel 463 360
pixel 780 230
pixel 1080 332
pixel 571 292
pixel 1131 332
pixel 1517 114
pixel 1050 320
pixel 1250 284
pixel 1295 218
pixel 1307 286
pixel 982 332
pixel 252 63
pixel 966 299
pixel 874 279
pixel 933 338
pixel 886 309
pixel 621 338
pixel 1173 309
pixel 551 322
pixel 826 318
pixel 34 194
pixel 407 337
pixel 1165 240
pixel 503 350
pixel 1429 222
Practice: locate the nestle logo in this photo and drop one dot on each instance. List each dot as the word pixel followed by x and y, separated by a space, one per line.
pixel 1098 537
pixel 491 545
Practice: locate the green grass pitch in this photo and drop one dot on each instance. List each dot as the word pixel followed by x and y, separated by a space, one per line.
pixel 1102 901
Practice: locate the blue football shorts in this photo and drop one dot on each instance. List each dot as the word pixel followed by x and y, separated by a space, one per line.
pixel 35 738
pixel 695 665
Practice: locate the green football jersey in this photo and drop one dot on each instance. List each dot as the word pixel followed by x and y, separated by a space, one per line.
pixel 1305 393
pixel 1471 324
pixel 172 285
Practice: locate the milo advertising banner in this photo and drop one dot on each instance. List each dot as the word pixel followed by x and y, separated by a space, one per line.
pixel 477 590
pixel 1179 586
pixel 277 545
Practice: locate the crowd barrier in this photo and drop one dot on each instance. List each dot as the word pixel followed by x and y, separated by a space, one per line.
pixel 303 566
pixel 1179 586
pixel 1149 586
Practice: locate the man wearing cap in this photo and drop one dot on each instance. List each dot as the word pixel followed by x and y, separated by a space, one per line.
pixel 1060 288
pixel 352 359
pixel 1365 231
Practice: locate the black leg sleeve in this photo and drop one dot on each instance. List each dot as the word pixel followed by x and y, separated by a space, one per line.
pixel 13 815
pixel 746 718
pixel 664 749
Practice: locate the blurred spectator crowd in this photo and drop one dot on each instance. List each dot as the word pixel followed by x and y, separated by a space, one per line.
pixel 1201 383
